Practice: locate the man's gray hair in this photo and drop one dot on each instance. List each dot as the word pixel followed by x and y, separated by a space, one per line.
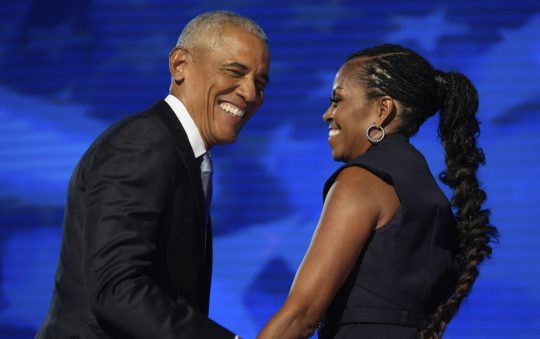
pixel 211 22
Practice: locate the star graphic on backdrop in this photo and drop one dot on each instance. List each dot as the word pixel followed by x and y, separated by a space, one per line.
pixel 425 30
pixel 40 147
pixel 64 34
pixel 235 269
pixel 502 75
pixel 282 145
pixel 323 89
pixel 325 15
pixel 144 53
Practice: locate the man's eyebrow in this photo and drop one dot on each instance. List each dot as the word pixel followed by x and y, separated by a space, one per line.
pixel 236 65
pixel 245 69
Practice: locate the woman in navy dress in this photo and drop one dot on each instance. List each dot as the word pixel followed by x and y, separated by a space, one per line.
pixel 392 257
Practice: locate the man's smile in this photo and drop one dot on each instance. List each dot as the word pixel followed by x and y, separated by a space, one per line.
pixel 232 109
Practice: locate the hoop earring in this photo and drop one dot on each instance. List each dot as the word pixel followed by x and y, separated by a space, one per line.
pixel 379 128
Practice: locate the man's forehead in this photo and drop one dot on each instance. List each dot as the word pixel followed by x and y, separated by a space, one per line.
pixel 231 42
pixel 228 33
pixel 214 35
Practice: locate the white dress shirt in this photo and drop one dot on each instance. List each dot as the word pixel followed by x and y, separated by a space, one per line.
pixel 193 134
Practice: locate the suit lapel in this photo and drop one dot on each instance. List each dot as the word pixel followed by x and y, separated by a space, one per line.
pixel 187 157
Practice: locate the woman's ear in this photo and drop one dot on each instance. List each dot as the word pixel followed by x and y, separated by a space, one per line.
pixel 386 110
pixel 177 61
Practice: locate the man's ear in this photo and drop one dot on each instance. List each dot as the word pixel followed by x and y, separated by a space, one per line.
pixel 386 110
pixel 177 62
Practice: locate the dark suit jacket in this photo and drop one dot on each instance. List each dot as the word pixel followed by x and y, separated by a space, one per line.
pixel 132 262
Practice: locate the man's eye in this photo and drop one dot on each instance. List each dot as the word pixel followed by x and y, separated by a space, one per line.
pixel 235 73
pixel 260 85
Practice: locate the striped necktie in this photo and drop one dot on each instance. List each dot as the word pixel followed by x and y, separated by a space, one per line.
pixel 206 174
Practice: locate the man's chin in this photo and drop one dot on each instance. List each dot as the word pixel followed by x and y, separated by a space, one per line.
pixel 225 132
pixel 228 139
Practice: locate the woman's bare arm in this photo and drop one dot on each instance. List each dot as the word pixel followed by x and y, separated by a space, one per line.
pixel 357 204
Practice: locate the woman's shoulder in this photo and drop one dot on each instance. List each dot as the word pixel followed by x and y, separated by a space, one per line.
pixel 394 156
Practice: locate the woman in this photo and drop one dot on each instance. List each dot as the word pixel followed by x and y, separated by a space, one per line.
pixel 389 257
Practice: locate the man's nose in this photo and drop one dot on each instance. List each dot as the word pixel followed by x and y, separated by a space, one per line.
pixel 247 90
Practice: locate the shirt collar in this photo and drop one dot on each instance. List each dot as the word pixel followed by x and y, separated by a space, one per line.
pixel 193 134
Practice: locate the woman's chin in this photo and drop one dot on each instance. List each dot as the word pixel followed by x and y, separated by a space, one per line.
pixel 338 157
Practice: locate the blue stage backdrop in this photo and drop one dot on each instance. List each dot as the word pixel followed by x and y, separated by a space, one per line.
pixel 68 69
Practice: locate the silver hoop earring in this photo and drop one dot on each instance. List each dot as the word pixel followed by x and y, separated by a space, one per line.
pixel 379 128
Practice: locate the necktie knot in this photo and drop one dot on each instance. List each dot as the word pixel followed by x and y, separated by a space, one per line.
pixel 206 176
pixel 206 164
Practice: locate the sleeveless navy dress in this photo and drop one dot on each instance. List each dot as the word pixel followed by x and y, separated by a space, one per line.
pixel 407 267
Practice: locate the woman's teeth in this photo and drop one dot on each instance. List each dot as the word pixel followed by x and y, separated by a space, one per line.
pixel 231 109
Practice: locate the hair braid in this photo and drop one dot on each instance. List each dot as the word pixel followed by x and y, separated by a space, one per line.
pixel 405 76
pixel 409 78
pixel 458 129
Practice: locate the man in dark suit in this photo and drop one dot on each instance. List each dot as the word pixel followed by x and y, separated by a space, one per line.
pixel 136 250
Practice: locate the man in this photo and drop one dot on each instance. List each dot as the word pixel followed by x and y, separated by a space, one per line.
pixel 136 252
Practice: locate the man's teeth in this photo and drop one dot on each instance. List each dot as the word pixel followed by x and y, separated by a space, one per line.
pixel 231 109
pixel 333 132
